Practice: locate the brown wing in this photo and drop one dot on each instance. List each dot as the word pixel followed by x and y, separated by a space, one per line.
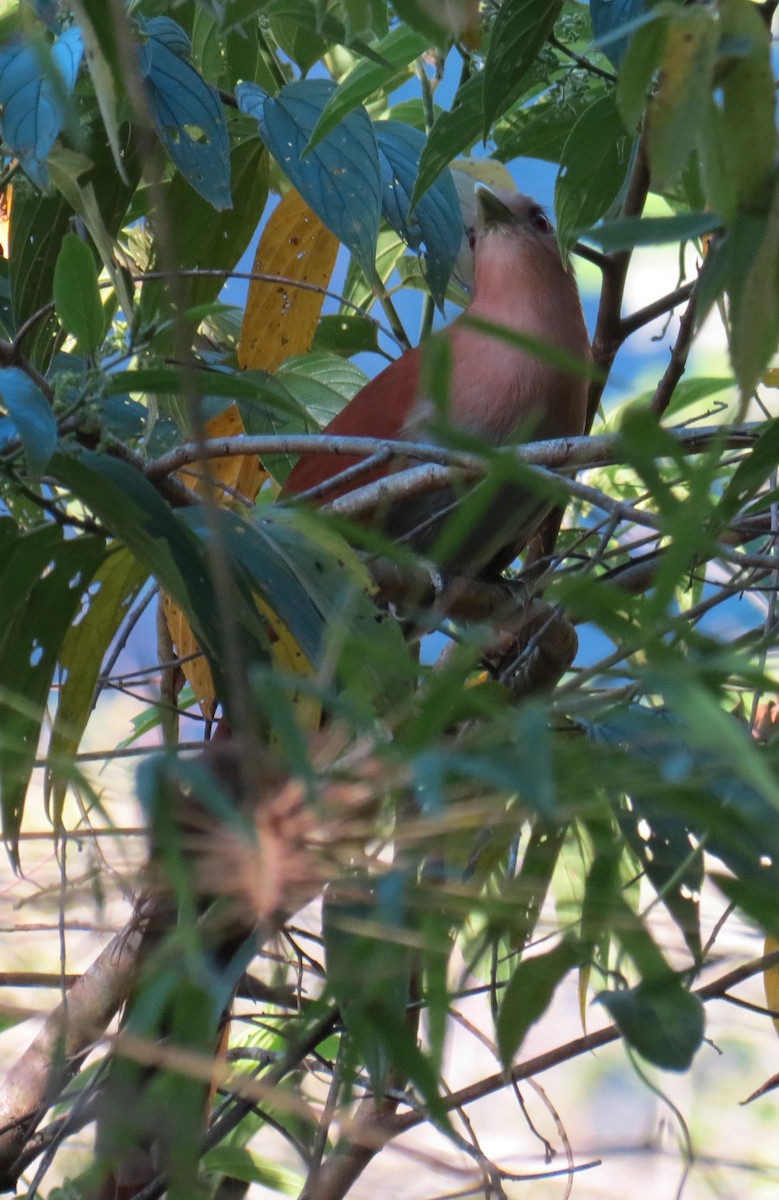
pixel 379 410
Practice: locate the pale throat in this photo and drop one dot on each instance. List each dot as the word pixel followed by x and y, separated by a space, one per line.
pixel 520 286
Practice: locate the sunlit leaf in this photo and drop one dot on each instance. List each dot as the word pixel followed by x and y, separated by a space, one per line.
pixel 76 293
pixel 280 318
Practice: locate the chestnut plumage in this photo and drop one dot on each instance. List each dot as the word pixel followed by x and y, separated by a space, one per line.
pixel 498 393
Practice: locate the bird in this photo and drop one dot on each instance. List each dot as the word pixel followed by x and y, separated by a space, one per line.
pixel 499 395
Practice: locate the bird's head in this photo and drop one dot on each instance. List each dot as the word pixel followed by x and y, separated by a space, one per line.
pixel 512 235
pixel 503 214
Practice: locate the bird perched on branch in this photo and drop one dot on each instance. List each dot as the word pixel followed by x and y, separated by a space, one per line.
pixel 499 394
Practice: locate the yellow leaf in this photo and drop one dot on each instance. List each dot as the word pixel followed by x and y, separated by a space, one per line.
pixel 220 479
pixel 487 170
pixel 292 661
pixel 280 319
pixel 6 199
pixel 584 983
pixel 196 671
pixel 771 377
pixel 771 980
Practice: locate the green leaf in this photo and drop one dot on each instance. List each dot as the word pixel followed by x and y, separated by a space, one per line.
pixel 39 225
pixel 541 129
pixel 666 852
pixel 663 1022
pixel 530 993
pixel 422 17
pixel 754 291
pixel 115 585
pixel 102 45
pixel 627 232
pixel 592 170
pixel 30 414
pixel 368 958
pixel 751 473
pixel 400 47
pixel 135 513
pixel 76 294
pixel 748 124
pixel 640 63
pixel 346 335
pixel 682 98
pixel 312 17
pixel 453 133
pixel 41 585
pixel 518 33
pixel 236 1162
pixel 755 897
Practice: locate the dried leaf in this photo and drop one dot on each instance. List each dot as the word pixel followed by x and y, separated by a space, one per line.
pixel 280 320
pixel 221 479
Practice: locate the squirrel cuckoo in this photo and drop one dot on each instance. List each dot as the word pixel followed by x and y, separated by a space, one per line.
pixel 498 392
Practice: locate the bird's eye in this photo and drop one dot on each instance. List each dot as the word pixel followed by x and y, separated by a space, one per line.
pixel 472 238
pixel 539 220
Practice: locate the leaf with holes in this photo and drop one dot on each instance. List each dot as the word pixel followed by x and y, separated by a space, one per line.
pixel 399 48
pixel 190 122
pixel 280 319
pixel 340 179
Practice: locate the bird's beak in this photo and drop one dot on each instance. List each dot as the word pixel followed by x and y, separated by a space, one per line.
pixel 492 211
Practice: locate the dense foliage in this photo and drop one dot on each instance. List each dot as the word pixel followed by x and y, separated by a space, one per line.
pixel 145 429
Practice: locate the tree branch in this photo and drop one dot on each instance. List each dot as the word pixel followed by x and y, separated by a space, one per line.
pixel 675 368
pixel 607 338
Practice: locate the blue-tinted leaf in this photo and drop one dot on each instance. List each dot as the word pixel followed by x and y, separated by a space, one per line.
pixel 435 228
pixel 170 34
pixel 33 96
pixel 190 122
pixel 340 179
pixel 608 17
pixel 663 1022
pixel 31 415
pixel 46 11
